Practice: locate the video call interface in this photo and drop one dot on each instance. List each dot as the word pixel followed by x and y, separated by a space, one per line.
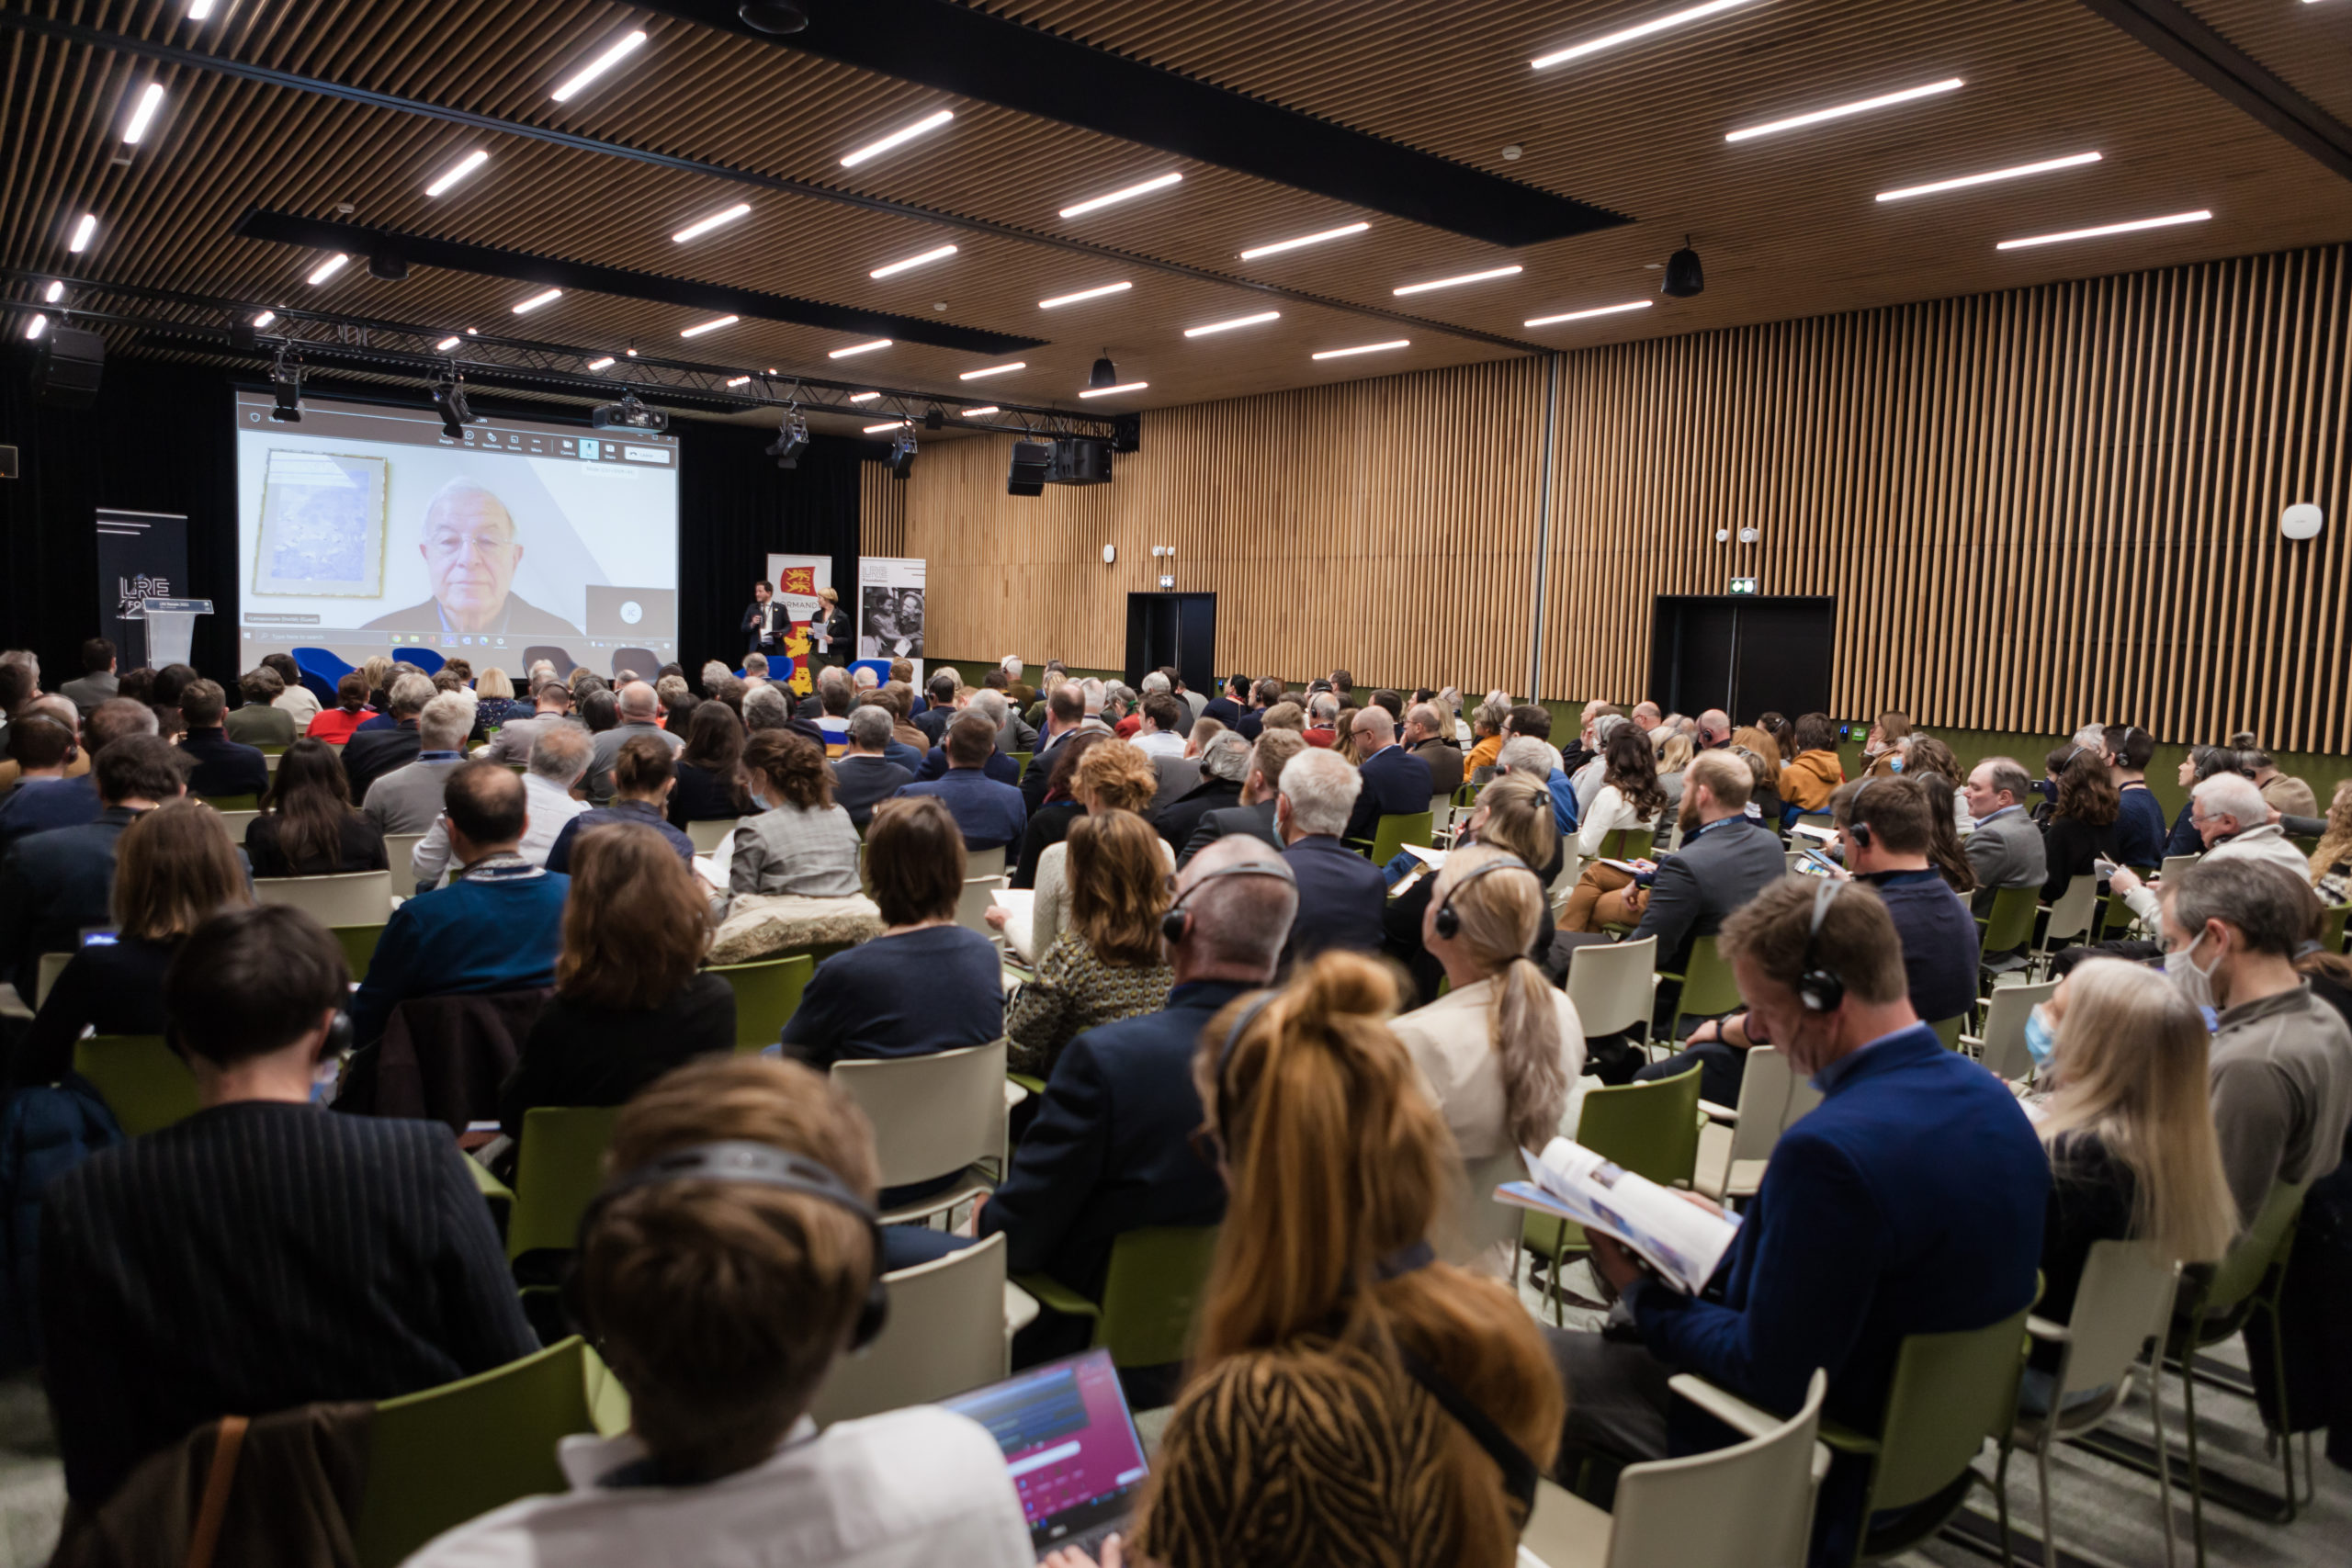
pixel 1067 1439
pixel 366 529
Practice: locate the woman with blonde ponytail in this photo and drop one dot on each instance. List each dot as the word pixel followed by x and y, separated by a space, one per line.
pixel 1501 1052
pixel 1352 1401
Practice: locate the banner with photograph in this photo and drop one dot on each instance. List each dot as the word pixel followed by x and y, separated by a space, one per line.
pixel 890 609
pixel 797 579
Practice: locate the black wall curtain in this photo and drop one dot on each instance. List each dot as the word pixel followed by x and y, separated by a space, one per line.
pixel 160 438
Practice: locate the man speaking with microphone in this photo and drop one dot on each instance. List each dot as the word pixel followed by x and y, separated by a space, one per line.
pixel 765 624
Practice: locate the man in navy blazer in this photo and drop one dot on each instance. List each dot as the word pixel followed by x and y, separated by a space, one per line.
pixel 1110 1149
pixel 1395 783
pixel 1727 858
pixel 1341 896
pixel 1909 1202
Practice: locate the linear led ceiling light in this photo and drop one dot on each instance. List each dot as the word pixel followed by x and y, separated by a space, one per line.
pixel 457 171
pixel 535 300
pixel 859 348
pixel 2070 161
pixel 1465 277
pixel 739 380
pixel 874 149
pixel 447 344
pixel 1113 391
pixel 1948 85
pixel 2200 216
pixel 1082 294
pixel 703 226
pixel 327 268
pixel 1236 321
pixel 83 231
pixel 1342 232
pixel 622 47
pixel 600 364
pixel 144 114
pixel 892 425
pixel 987 370
pixel 199 9
pixel 1365 348
pixel 1638 30
pixel 264 320
pixel 34 327
pixel 56 292
pixel 979 413
pixel 937 253
pixel 701 327
pixel 1586 315
pixel 1157 182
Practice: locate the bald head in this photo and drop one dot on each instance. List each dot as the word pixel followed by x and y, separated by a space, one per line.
pixel 1237 922
pixel 1714 728
pixel 640 701
pixel 1374 729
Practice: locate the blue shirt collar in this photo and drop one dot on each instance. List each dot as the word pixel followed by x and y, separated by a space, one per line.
pixel 440 756
pixel 1997 816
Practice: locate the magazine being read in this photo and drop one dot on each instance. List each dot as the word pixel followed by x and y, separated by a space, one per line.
pixel 1682 1241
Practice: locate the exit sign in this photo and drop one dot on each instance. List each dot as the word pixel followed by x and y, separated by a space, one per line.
pixel 1166 580
pixel 1743 585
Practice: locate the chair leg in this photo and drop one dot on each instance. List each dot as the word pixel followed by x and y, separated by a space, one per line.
pixel 2041 1466
pixel 2278 1388
pixel 2164 1453
pixel 2001 1503
pixel 2196 1477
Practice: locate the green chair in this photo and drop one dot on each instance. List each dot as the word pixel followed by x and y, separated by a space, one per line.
pixel 2010 924
pixel 1951 1392
pixel 232 802
pixel 1628 843
pixel 1947 1029
pixel 559 1167
pixel 140 1078
pixel 1148 1297
pixel 767 993
pixel 450 1454
pixel 1708 987
pixel 358 946
pixel 1650 1129
pixel 2331 937
pixel 1023 759
pixel 1395 832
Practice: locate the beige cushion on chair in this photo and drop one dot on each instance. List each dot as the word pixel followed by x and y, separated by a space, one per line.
pixel 1564 1531
pixel 761 925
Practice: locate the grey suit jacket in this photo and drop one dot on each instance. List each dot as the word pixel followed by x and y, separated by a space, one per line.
pixel 2006 851
pixel 1256 820
pixel 407 799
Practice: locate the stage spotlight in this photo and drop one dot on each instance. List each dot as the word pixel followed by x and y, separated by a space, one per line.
pixel 790 441
pixel 1104 373
pixel 902 451
pixel 449 398
pixel 779 16
pixel 286 390
pixel 1683 276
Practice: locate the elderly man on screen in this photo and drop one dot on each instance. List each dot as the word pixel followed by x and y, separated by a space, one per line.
pixel 471 552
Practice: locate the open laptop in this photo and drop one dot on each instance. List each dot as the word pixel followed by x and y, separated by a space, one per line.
pixel 1069 1445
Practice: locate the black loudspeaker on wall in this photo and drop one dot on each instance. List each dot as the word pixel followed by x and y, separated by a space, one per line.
pixel 1032 461
pixel 8 469
pixel 71 362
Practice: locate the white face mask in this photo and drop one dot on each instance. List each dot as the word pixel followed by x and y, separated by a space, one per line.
pixel 2196 985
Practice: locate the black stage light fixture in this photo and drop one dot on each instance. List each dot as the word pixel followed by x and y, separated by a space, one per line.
pixel 934 419
pixel 449 397
pixel 1033 463
pixel 627 415
pixel 1683 276
pixel 286 390
pixel 790 441
pixel 779 16
pixel 902 451
pixel 1104 374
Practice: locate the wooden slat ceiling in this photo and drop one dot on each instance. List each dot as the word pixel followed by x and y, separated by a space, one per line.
pixel 1786 224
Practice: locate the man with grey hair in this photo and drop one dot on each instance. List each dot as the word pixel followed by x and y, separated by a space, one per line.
pixel 713 675
pixel 1016 691
pixel 1586 780
pixel 471 554
pixel 862 678
pixel 557 761
pixel 2233 820
pixel 864 773
pixel 2006 849
pixel 408 798
pixel 1223 765
pixel 640 711
pixel 1322 719
pixel 766 707
pixel 371 753
pixel 1340 895
pixel 1427 736
pixel 1111 1149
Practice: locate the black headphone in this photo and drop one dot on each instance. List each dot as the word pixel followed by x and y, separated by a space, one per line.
pixel 1820 989
pixel 1176 924
pixel 758 1165
pixel 1448 924
pixel 1856 829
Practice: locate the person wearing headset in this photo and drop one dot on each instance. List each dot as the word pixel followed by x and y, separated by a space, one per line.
pixel 733 1255
pixel 1110 1150
pixel 1910 1201
pixel 264 1253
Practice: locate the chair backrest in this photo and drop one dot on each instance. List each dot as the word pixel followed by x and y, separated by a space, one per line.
pixel 2331 938
pixel 1947 1029
pixel 2071 915
pixel 53 965
pixel 1151 1293
pixel 400 850
pixel 2124 1300
pixel 558 1169
pixel 452 1453
pixel 767 993
pixel 972 904
pixel 978 864
pixel 1708 984
pixel 2010 925
pixel 2005 1056
pixel 226 803
pixel 237 822
pixel 1951 1392
pixel 141 1079
pixel 1749 1506
pixel 1023 759
pixel 1765 1088
pixel 1628 843
pixel 1394 833
pixel 358 946
pixel 709 834
pixel 2241 1271
pixel 1650 1129
pixel 934 1114
pixel 1610 983
pixel 2174 864
pixel 945 1335
pixel 348 899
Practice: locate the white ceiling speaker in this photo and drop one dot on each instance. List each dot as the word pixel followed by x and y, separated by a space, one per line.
pixel 2301 521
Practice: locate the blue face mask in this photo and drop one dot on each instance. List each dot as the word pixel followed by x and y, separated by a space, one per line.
pixel 2040 1040
pixel 1896 765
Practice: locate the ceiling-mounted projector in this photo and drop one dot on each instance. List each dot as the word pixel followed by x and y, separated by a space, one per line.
pixel 627 415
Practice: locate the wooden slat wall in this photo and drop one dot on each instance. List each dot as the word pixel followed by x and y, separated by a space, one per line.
pixel 2035 508
pixel 881 512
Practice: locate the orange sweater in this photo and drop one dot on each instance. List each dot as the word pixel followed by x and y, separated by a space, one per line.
pixel 1808 783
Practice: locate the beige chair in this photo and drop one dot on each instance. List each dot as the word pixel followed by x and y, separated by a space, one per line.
pixel 708 835
pixel 933 1115
pixel 1749 1506
pixel 971 907
pixel 2174 864
pixel 53 965
pixel 236 822
pixel 1614 985
pixel 979 863
pixel 349 898
pixel 1735 1145
pixel 946 1334
pixel 400 850
pixel 2002 1045
pixel 2070 918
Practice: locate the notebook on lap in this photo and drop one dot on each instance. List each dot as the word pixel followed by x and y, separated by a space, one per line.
pixel 1069 1445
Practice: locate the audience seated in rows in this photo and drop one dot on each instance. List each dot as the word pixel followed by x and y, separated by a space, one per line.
pixel 631 998
pixel 1626 799
pixel 369 754
pixel 306 826
pixel 1428 736
pixel 989 707
pixel 1514 815
pixel 2233 822
pixel 642 775
pixel 2081 827
pixel 335 726
pixel 2202 762
pixel 1222 759
pixel 1395 783
pixel 1106 962
pixel 864 773
pixel 2005 848
pixel 551 707
pixel 264 1253
pixel 1110 775
pixel 2283 792
pixel 709 769
pixel 256 720
pixel 1341 896
pixel 798 841
pixel 2139 829
pixel 1253 814
pixel 223 766
pixel 54 760
pixel 1057 805
pixel 407 798
pixel 1809 778
pixel 983 800
pixel 640 713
